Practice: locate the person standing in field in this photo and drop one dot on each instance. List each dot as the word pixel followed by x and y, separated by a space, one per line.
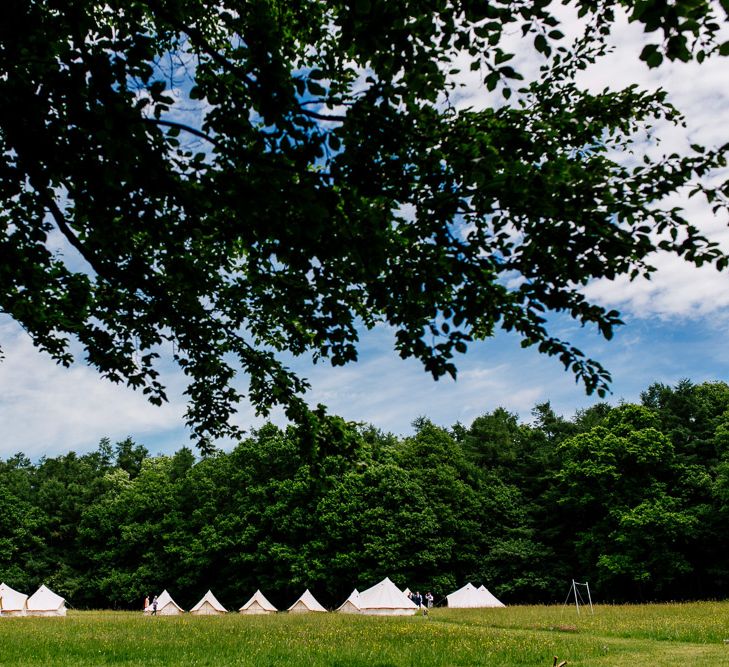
pixel 146 602
pixel 429 599
pixel 154 606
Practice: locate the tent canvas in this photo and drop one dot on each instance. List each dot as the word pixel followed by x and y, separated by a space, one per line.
pixel 208 606
pixel 258 604
pixel 44 602
pixel 386 599
pixel 166 606
pixel 490 599
pixel 13 602
pixel 307 602
pixel 466 597
pixel 470 597
pixel 407 592
pixel 351 604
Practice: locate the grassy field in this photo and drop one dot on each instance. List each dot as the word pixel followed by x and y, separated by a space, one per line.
pixel 655 635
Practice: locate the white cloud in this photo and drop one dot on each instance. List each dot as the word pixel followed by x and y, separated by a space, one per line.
pixel 678 289
pixel 701 93
pixel 47 408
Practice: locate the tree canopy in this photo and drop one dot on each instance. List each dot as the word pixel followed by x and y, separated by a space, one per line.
pixel 624 497
pixel 236 180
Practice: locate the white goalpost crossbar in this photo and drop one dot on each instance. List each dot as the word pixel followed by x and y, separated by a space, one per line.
pixel 578 597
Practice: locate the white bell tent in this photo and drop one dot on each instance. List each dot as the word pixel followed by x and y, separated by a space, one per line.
pixel 12 602
pixel 258 604
pixel 166 606
pixel 386 599
pixel 208 606
pixel 351 604
pixel 470 597
pixel 44 602
pixel 490 599
pixel 306 603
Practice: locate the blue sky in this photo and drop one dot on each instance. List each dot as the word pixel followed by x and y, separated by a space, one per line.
pixel 675 328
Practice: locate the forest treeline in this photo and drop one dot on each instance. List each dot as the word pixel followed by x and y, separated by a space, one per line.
pixel 633 498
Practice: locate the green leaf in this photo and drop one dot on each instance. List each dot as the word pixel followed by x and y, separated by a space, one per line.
pixel 651 55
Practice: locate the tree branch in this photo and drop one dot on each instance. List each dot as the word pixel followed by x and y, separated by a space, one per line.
pixel 199 38
pixel 60 220
pixel 185 128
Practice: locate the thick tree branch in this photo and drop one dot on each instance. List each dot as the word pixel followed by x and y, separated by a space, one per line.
pixel 60 219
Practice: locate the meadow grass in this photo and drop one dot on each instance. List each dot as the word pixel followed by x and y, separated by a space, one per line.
pixel 656 635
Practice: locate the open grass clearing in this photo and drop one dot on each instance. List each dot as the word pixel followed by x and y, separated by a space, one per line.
pixel 656 635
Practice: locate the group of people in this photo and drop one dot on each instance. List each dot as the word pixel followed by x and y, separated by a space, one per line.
pixel 422 600
pixel 154 604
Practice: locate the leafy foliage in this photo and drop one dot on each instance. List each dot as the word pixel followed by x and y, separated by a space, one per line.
pixel 271 176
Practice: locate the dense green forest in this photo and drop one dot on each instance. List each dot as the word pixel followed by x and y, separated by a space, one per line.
pixel 632 498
